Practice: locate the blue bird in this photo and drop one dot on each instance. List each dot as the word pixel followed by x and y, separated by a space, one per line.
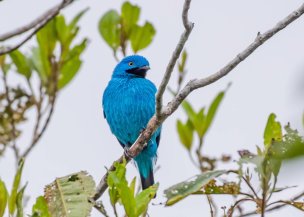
pixel 128 104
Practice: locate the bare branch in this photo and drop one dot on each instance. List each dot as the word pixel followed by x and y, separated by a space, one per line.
pixel 179 47
pixel 37 24
pixel 260 39
pixel 192 85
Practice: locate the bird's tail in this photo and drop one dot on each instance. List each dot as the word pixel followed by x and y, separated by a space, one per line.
pixel 146 182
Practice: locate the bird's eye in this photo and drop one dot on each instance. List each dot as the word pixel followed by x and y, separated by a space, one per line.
pixel 130 63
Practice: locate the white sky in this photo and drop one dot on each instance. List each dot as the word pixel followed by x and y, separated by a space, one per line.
pixel 78 137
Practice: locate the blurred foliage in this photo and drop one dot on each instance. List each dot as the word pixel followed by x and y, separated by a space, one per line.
pixel 120 29
pixel 13 201
pixel 181 66
pixel 69 196
pixel 12 112
pixel 198 123
pixel 3 198
pixel 135 204
pixel 55 60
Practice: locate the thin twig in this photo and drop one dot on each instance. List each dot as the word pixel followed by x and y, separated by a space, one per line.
pixel 37 24
pixel 98 205
pixel 176 53
pixel 52 100
pixel 210 205
pixel 192 85
pixel 231 210
pixel 248 184
pixel 275 207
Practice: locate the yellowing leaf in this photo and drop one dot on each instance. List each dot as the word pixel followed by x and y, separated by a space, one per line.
pixel 273 130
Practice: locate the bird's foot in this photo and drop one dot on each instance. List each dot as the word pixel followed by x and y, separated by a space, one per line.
pixel 126 152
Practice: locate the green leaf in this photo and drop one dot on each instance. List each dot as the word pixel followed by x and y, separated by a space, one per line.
pixel 77 50
pixel 113 179
pixel 291 145
pixel 14 191
pixel 61 29
pixel 3 65
pixel 68 196
pixel 119 189
pixel 70 68
pixel 76 19
pixel 184 189
pixel 21 63
pixel 189 110
pixel 182 63
pixel 40 208
pixel 273 130
pixel 212 110
pixel 130 16
pixel 185 132
pixel 143 199
pixel 41 64
pixel 3 197
pixel 2 60
pixel 127 199
pixel 133 185
pixel 142 36
pixel 109 28
pixel 19 202
pixel 46 38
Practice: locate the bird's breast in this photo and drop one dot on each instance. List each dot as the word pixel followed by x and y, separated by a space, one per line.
pixel 128 106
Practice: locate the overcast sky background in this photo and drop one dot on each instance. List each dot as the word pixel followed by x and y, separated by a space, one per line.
pixel 270 80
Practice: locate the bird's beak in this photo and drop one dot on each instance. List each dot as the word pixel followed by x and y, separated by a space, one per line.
pixel 140 71
pixel 146 68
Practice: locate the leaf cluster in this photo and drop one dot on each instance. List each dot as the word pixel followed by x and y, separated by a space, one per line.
pixel 119 29
pixel 53 61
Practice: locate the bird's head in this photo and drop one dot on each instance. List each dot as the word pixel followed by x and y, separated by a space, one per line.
pixel 134 65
